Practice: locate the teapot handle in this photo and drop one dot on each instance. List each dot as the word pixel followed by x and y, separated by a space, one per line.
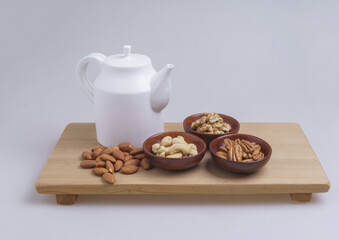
pixel 81 74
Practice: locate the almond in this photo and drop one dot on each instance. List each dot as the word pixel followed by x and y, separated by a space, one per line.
pixel 86 155
pixel 110 150
pixel 136 151
pixel 101 164
pixel 96 153
pixel 140 156
pixel 88 164
pixel 132 162
pixel 125 147
pixel 118 165
pixel 109 177
pixel 146 164
pixel 129 157
pixel 99 171
pixel 107 157
pixel 98 147
pixel 118 154
pixel 98 159
pixel 129 169
pixel 109 166
pixel 134 147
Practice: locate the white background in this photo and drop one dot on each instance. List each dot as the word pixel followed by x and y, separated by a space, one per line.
pixel 255 60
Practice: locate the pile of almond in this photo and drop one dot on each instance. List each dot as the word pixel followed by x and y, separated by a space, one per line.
pixel 240 150
pixel 106 160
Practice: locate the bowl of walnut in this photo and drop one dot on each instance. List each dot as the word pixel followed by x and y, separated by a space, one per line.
pixel 209 126
pixel 174 150
pixel 240 153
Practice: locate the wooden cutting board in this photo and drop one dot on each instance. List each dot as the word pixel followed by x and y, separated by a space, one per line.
pixel 293 168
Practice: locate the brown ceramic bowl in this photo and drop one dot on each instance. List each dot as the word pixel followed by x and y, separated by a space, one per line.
pixel 207 137
pixel 174 163
pixel 240 167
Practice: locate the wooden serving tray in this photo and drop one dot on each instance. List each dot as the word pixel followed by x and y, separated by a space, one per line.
pixel 293 168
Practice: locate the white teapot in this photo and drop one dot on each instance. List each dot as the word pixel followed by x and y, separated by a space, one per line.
pixel 128 96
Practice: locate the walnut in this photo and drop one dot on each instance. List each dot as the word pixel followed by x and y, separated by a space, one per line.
pixel 211 123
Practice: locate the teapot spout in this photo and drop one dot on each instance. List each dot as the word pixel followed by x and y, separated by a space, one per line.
pixel 161 88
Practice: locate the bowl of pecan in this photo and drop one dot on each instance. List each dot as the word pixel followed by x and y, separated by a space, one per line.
pixel 240 153
pixel 209 126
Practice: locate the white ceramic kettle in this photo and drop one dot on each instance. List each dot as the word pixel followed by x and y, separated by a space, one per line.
pixel 128 96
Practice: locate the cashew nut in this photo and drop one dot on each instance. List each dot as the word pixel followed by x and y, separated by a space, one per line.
pixel 178 147
pixel 162 154
pixel 179 140
pixel 163 149
pixel 175 155
pixel 155 147
pixel 193 149
pixel 166 141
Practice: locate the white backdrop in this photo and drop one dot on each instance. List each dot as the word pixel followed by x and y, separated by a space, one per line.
pixel 259 61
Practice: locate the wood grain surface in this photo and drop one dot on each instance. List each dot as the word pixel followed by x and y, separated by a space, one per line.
pixel 293 168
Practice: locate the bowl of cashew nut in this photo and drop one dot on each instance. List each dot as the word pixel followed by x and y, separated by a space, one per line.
pixel 209 126
pixel 174 150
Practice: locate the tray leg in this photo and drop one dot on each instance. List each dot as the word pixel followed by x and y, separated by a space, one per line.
pixel 66 199
pixel 301 197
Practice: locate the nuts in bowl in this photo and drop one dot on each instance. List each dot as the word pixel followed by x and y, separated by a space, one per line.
pixel 211 123
pixel 209 126
pixel 240 153
pixel 174 150
pixel 175 147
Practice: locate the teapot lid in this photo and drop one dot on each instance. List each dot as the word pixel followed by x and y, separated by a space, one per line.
pixel 127 59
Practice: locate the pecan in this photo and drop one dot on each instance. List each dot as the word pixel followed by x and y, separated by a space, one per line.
pixel 222 154
pixel 230 153
pixel 247 160
pixel 228 143
pixel 222 148
pixel 238 152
